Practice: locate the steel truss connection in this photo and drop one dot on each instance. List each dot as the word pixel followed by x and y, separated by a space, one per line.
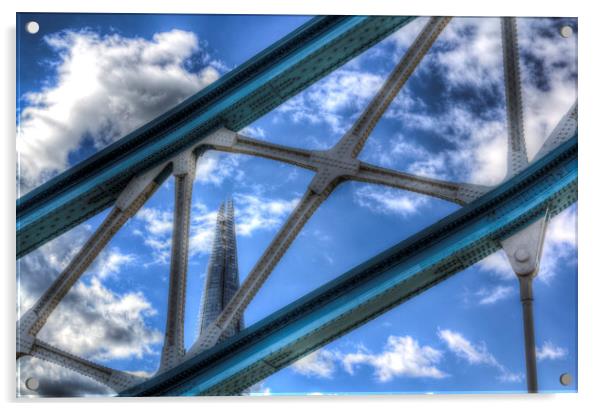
pixel 219 363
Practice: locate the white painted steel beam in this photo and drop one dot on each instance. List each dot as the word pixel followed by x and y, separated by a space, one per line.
pixel 184 167
pixel 114 379
pixel 231 142
pixel 517 149
pixel 459 193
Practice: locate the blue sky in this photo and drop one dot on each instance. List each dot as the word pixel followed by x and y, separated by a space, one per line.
pixel 448 122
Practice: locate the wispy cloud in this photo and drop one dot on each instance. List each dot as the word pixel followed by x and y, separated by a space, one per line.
pixel 389 201
pixel 257 212
pixel 488 296
pixel 320 363
pixel 259 390
pixel 550 351
pixel 463 348
pixel 155 231
pixel 214 167
pixel 254 131
pixel 402 356
pixel 112 261
pixel 476 354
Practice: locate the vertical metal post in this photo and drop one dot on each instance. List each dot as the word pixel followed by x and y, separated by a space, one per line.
pixel 526 298
pixel 523 250
pixel 173 347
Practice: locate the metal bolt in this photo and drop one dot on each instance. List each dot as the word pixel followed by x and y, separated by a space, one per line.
pixel 521 255
pixel 565 379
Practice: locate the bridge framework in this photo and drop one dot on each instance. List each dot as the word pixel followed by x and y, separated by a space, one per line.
pixel 512 216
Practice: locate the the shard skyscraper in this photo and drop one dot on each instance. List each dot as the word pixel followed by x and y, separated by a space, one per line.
pixel 221 280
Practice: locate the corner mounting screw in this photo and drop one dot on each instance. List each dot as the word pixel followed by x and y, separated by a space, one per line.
pixel 32 27
pixel 32 384
pixel 565 379
pixel 566 31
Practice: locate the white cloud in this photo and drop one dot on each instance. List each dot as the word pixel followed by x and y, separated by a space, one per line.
pixel 563 228
pixel 105 87
pixel 402 356
pixel 156 231
pixel 389 201
pixel 476 354
pixel 498 264
pixel 101 324
pixel 214 167
pixel 511 377
pixel 254 131
pixel 259 390
pixel 320 363
pixel 550 351
pixel 473 52
pixel 398 149
pixel 112 261
pixel 492 296
pixel 202 230
pixel 255 212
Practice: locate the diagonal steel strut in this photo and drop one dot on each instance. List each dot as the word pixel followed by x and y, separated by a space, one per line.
pixel 460 193
pixel 28 326
pixel 128 203
pixel 517 149
pixel 114 379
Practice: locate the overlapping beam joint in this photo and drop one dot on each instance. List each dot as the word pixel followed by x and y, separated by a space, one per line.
pixel 332 167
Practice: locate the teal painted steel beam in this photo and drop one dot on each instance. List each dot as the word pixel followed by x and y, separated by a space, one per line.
pixel 234 101
pixel 387 280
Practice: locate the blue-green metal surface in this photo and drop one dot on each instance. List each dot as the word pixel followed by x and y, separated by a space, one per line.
pixel 234 101
pixel 412 266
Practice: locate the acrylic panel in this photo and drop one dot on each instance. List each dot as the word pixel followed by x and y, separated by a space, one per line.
pixel 295 205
